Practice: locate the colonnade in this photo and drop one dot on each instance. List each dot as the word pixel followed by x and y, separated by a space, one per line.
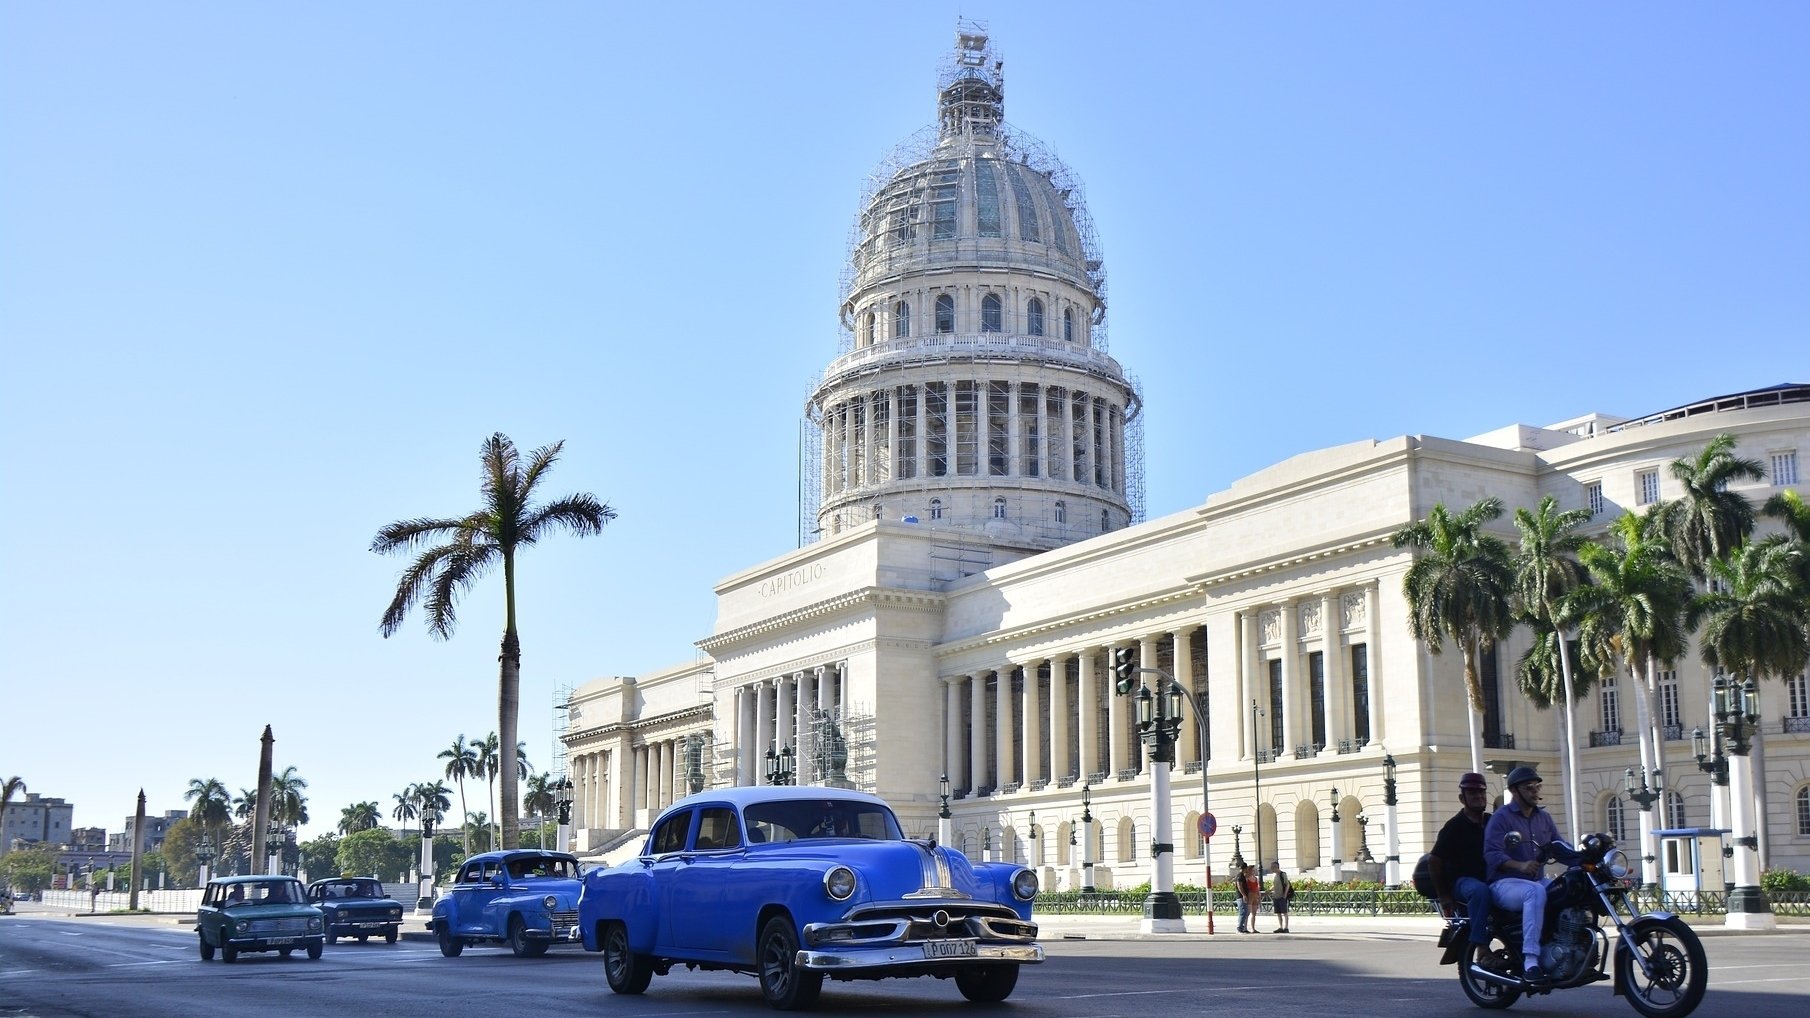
pixel 783 710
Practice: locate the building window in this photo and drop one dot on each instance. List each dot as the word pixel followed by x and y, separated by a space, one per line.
pixel 1674 810
pixel 1360 693
pixel 999 508
pixel 1669 714
pixel 945 313
pixel 989 313
pixel 936 508
pixel 1610 705
pixel 1061 512
pixel 943 196
pixel 1027 211
pixel 1275 707
pixel 867 329
pixel 1033 317
pixel 877 508
pixel 1316 685
pixel 1068 325
pixel 1803 812
pixel 1784 468
pixel 986 198
pixel 1105 521
pixel 1593 497
pixel 1615 819
pixel 901 320
pixel 1797 695
pixel 1646 483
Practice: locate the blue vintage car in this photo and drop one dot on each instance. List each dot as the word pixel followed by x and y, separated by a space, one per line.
pixel 527 899
pixel 798 884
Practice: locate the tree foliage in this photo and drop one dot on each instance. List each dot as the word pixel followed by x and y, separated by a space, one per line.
pixel 377 853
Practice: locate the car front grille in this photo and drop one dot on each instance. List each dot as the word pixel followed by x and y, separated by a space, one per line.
pixel 278 927
pixel 563 921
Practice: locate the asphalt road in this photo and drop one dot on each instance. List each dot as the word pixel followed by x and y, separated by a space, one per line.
pixel 53 968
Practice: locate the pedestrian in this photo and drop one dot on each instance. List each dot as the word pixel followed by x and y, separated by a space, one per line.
pixel 1281 891
pixel 1244 901
pixel 1250 889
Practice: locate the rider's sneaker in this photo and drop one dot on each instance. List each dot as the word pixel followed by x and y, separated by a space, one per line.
pixel 1535 974
pixel 1499 962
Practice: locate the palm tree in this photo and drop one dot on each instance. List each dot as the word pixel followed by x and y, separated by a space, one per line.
pixel 10 788
pixel 245 804
pixel 1546 569
pixel 360 816
pixel 461 760
pixel 288 806
pixel 1633 611
pixel 212 805
pixel 508 521
pixel 1753 618
pixel 1790 507
pixel 433 797
pixel 1710 521
pixel 408 805
pixel 538 800
pixel 1457 589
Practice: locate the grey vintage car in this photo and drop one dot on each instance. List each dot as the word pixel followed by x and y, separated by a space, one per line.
pixel 356 907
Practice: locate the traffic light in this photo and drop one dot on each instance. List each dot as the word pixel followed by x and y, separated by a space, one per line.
pixel 1125 667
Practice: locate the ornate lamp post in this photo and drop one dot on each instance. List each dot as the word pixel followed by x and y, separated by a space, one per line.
pixel 1036 858
pixel 1644 796
pixel 1712 760
pixel 1363 856
pixel 1338 841
pixel 986 844
pixel 562 801
pixel 204 854
pixel 779 766
pixel 1158 722
pixel 1238 862
pixel 430 817
pixel 273 838
pixel 944 827
pixel 1087 839
pixel 1737 719
pixel 1391 835
pixel 1256 785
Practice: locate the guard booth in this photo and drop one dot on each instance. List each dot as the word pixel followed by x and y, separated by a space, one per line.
pixel 1691 860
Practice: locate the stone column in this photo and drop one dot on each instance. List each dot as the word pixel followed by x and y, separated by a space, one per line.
pixel 1089 445
pixel 1117 737
pixel 801 727
pixel 921 450
pixel 977 732
pixel 952 727
pixel 1061 719
pixel 1374 662
pixel 850 447
pixel 1109 456
pixel 763 739
pixel 1188 747
pixel 870 474
pixel 784 720
pixel 1014 433
pixel 1291 698
pixel 1338 691
pixel 1002 724
pixel 1087 719
pixel 1250 682
pixel 892 434
pixel 1031 746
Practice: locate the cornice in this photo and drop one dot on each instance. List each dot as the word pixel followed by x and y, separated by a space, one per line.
pixel 1245 570
pixel 877 597
pixel 1019 634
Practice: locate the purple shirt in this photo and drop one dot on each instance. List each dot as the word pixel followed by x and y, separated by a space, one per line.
pixel 1536 830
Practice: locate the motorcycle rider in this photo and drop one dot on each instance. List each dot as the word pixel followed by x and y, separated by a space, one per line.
pixel 1457 859
pixel 1516 875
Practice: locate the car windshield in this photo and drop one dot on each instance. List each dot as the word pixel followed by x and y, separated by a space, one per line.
pixel 805 819
pixel 264 892
pixel 353 889
pixel 529 869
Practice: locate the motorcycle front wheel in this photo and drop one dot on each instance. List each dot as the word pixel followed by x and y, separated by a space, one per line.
pixel 1668 975
pixel 1483 992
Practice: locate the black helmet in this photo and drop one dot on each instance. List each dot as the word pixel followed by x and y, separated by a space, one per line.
pixel 1521 776
pixel 1472 780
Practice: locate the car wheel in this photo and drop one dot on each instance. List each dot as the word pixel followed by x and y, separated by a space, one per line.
pixel 389 935
pixel 314 951
pixel 207 949
pixel 229 953
pixel 987 984
pixel 450 945
pixel 519 941
pixel 332 937
pixel 626 971
pixel 285 952
pixel 786 986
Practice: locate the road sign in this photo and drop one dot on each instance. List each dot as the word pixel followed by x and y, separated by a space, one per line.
pixel 1208 825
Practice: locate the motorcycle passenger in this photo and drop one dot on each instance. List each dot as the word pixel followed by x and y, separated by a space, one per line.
pixel 1457 859
pixel 1516 875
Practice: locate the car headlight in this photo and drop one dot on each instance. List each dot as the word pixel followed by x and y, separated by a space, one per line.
pixel 314 922
pixel 839 883
pixel 242 926
pixel 1024 885
pixel 550 903
pixel 395 913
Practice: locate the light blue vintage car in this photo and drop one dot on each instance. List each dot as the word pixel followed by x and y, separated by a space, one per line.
pixel 798 884
pixel 527 899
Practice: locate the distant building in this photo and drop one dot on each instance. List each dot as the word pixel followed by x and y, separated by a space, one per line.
pixel 155 829
pixel 35 820
pixel 88 839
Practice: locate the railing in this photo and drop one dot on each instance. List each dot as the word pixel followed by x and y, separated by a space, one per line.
pixel 1306 752
pixel 1009 787
pixel 1672 733
pixel 1191 767
pixel 1349 746
pixel 1499 740
pixel 1611 738
pixel 1040 784
pixel 1128 774
pixel 1266 756
pixel 1796 725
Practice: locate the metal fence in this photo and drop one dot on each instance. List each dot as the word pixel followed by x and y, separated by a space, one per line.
pixel 1343 901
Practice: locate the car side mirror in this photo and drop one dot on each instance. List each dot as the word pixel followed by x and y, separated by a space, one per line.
pixel 500 880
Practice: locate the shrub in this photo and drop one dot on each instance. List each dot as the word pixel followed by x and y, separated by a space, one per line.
pixel 1782 881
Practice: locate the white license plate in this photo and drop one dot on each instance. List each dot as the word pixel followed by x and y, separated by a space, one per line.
pixel 949 949
pixel 280 941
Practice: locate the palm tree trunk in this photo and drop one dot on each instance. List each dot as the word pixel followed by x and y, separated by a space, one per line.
pixel 1643 713
pixel 1473 706
pixel 464 816
pixel 1571 776
pixel 508 703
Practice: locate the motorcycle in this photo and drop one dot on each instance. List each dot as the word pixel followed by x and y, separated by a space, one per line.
pixel 1658 962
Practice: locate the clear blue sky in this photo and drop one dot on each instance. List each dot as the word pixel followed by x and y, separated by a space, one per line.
pixel 270 275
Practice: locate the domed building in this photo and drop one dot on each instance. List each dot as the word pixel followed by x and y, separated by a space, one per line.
pixel 973 393
pixel 973 554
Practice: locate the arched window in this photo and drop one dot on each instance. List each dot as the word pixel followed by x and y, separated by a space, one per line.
pixel 1105 522
pixel 936 508
pixel 1674 810
pixel 1615 819
pixel 1061 512
pixel 1033 317
pixel 876 510
pixel 901 320
pixel 989 313
pixel 1803 812
pixel 1128 840
pixel 1068 325
pixel 999 508
pixel 945 313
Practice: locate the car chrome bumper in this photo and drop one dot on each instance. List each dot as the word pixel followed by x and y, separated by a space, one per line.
pixel 911 956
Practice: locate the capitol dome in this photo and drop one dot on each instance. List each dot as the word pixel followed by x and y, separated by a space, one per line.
pixel 972 390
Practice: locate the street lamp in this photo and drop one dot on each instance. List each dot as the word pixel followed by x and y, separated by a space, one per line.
pixel 1159 720
pixel 1036 846
pixel 1363 856
pixel 1256 785
pixel 272 836
pixel 944 828
pixel 424 897
pixel 562 801
pixel 1238 862
pixel 1087 839
pixel 1391 842
pixel 1737 720
pixel 779 766
pixel 204 854
pixel 1644 795
pixel 1338 841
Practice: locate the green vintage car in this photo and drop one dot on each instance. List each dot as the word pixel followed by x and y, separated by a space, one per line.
pixel 258 913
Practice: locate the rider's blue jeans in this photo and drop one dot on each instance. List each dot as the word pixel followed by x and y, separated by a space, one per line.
pixel 1476 897
pixel 1529 898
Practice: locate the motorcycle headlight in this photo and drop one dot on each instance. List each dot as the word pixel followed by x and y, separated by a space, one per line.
pixel 839 883
pixel 1024 885
pixel 550 903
